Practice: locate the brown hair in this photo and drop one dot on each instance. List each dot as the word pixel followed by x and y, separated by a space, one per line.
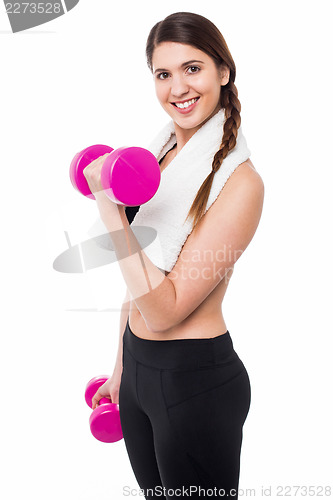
pixel 196 30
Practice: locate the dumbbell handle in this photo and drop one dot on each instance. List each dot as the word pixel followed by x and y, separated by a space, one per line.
pixel 104 401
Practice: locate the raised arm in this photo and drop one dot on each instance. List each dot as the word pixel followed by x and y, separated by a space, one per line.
pixel 221 237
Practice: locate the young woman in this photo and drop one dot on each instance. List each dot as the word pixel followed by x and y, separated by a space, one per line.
pixel 183 392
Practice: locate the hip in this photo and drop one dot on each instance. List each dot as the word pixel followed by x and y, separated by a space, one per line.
pixel 186 375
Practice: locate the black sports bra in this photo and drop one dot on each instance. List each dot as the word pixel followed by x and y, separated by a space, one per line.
pixel 131 211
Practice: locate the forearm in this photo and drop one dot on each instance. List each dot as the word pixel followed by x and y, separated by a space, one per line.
pixel 153 292
pixel 118 368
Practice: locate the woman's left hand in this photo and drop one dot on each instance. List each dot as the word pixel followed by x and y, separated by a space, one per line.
pixel 108 209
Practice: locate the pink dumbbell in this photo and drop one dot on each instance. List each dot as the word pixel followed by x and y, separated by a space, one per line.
pixel 129 176
pixel 105 420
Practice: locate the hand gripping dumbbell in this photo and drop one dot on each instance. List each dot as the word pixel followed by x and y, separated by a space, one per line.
pixel 129 176
pixel 105 420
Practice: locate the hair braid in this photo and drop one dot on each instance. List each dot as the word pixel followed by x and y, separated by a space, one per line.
pixel 232 106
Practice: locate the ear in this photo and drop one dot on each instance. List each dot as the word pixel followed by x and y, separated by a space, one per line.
pixel 224 74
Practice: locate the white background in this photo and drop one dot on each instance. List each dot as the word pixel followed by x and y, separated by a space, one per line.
pixel 82 79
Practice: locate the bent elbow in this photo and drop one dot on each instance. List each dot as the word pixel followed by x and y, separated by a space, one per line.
pixel 163 325
pixel 157 326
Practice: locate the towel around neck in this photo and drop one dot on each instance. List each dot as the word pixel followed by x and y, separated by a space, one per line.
pixel 180 181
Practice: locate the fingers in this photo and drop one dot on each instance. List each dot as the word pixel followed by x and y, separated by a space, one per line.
pixel 96 162
pixel 92 173
pixel 96 398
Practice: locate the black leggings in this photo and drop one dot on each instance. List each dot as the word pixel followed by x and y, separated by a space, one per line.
pixel 182 407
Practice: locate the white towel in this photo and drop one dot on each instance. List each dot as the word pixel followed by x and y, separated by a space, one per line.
pixel 180 181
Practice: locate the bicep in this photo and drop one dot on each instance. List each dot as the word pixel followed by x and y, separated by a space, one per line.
pixel 222 235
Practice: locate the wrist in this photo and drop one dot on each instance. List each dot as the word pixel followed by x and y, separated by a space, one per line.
pixel 112 215
pixel 117 371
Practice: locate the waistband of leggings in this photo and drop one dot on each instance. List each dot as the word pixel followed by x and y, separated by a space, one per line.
pixel 180 353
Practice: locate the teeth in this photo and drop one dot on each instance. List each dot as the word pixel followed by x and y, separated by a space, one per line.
pixel 186 104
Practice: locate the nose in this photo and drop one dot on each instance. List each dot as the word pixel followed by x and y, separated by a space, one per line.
pixel 179 87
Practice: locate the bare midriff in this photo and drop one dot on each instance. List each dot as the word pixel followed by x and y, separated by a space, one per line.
pixel 206 321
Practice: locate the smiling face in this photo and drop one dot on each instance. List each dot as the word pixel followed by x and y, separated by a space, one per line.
pixel 186 76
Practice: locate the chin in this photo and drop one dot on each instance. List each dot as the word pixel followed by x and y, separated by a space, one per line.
pixel 189 122
pixel 188 125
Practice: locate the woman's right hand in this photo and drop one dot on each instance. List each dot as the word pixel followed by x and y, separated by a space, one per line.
pixel 110 389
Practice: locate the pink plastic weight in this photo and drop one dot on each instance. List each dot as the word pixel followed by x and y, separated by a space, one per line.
pixel 80 161
pixel 130 176
pixel 105 420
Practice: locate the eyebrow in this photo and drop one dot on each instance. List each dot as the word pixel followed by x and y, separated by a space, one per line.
pixel 182 65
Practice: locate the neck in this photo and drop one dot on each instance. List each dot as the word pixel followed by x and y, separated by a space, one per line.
pixel 184 135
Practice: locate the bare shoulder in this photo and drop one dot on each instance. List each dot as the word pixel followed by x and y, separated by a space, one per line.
pixel 246 172
pixel 249 163
pixel 244 187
